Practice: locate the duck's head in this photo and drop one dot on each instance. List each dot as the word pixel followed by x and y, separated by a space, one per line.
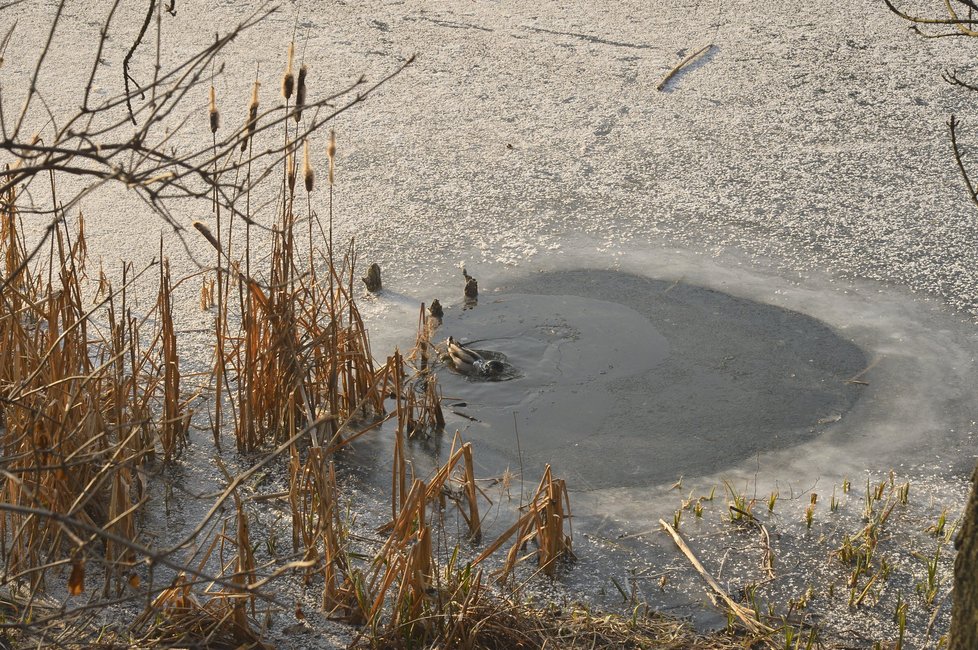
pixel 493 367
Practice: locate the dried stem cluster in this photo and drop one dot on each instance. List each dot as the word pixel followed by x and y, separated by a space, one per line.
pixel 94 411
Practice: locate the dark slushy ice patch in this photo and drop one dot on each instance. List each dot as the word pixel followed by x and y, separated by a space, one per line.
pixel 629 381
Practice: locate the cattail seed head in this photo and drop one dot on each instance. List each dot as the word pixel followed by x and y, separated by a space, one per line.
pixel 300 94
pixel 254 96
pixel 214 115
pixel 288 80
pixel 206 232
pixel 307 172
pixel 252 116
pixel 290 165
pixel 331 153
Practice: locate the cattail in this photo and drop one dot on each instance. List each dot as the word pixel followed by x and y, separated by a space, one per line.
pixel 307 173
pixel 215 116
pixel 290 165
pixel 252 116
pixel 300 94
pixel 80 240
pixel 331 153
pixel 288 81
pixel 206 232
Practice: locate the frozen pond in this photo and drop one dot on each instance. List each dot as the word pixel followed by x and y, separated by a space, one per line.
pixel 687 281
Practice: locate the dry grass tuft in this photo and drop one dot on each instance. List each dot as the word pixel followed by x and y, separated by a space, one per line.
pixel 482 620
pixel 77 411
pixel 541 522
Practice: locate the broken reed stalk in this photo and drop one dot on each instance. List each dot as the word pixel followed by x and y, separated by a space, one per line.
pixel 218 616
pixel 406 559
pixel 424 602
pixel 244 566
pixel 418 398
pixel 458 469
pixel 460 459
pixel 744 615
pixel 176 421
pixel 313 494
pixel 542 522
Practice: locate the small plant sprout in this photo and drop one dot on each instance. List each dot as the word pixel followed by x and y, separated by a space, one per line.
pixel 903 493
pixel 698 508
pixel 772 500
pixel 809 515
pixel 676 518
pixel 834 503
pixel 929 589
pixel 937 529
pixel 845 486
pixel 949 533
pixel 739 506
pixel 901 621
pixel 880 490
pixel 868 509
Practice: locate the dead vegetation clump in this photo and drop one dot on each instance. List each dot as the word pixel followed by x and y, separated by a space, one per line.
pixel 483 619
pixel 78 401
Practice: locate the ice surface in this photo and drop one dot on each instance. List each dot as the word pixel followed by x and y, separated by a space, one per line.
pixel 804 164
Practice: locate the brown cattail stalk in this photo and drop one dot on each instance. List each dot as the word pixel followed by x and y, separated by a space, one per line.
pixel 307 172
pixel 290 164
pixel 252 116
pixel 288 80
pixel 331 153
pixel 300 93
pixel 214 115
pixel 206 232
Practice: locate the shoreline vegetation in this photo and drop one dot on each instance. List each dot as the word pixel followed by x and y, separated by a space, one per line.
pixel 96 407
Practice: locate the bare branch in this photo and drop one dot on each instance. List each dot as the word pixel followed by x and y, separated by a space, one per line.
pixel 952 125
pixel 126 77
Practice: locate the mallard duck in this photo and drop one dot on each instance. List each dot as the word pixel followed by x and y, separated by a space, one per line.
pixel 471 362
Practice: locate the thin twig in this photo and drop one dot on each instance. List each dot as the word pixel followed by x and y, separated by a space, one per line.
pixel 681 65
